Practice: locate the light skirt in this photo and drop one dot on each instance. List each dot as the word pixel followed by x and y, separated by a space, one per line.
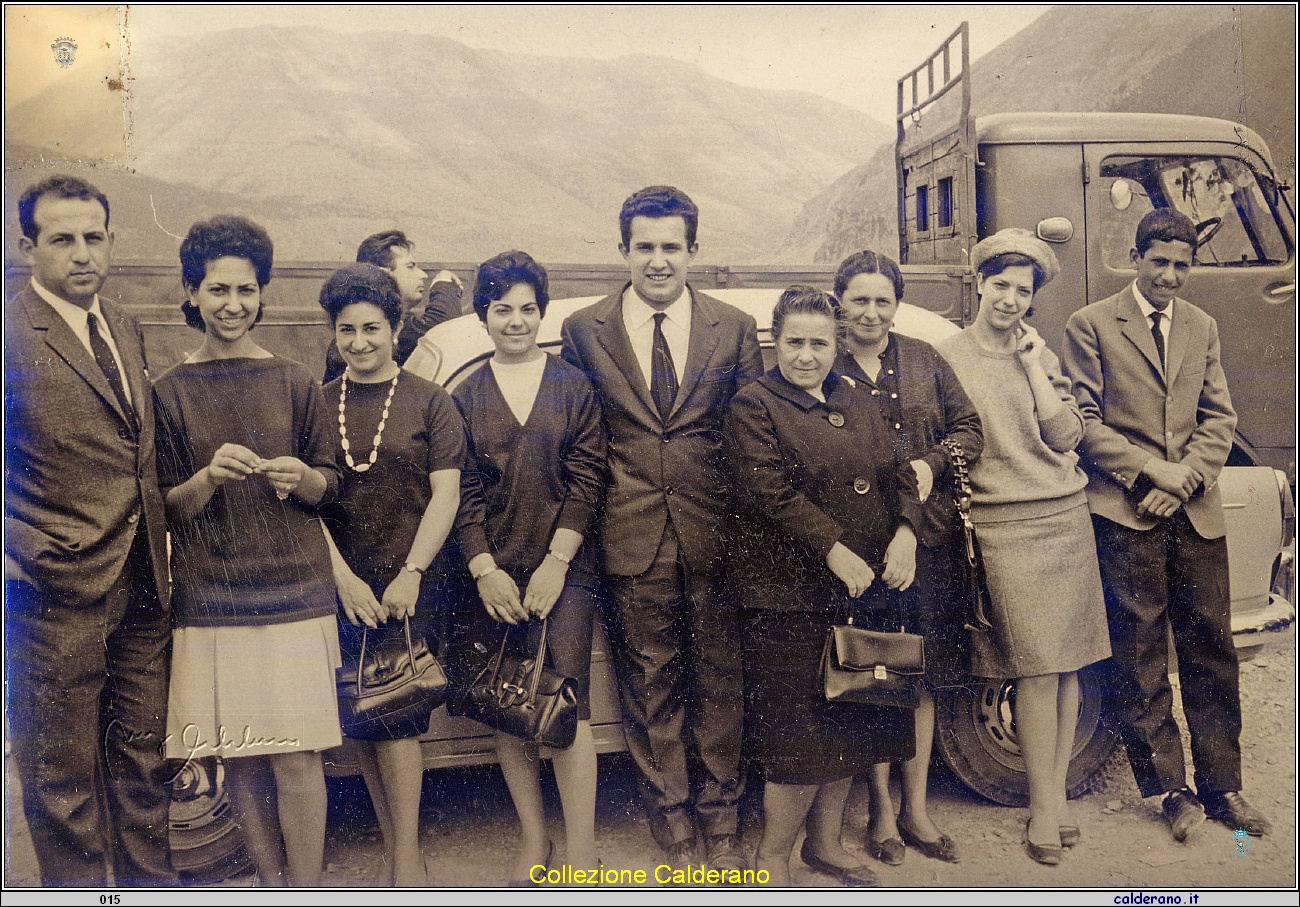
pixel 253 691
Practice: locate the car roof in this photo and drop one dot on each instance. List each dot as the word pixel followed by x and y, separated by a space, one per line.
pixel 450 348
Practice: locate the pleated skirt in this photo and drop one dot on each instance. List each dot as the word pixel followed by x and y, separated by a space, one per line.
pixel 253 691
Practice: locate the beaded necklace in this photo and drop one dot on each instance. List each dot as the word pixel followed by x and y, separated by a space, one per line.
pixel 379 432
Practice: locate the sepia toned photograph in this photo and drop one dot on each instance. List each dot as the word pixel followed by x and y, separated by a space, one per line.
pixel 651 446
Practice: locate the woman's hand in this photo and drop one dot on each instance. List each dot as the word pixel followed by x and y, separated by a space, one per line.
pixel 900 559
pixel 545 586
pixel 284 473
pixel 401 594
pixel 1029 346
pixel 232 462
pixel 924 479
pixel 501 597
pixel 851 569
pixel 359 603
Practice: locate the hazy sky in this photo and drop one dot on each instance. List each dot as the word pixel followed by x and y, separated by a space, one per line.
pixel 850 54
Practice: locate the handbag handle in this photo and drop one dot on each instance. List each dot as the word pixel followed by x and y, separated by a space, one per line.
pixel 410 649
pixel 509 689
pixel 963 493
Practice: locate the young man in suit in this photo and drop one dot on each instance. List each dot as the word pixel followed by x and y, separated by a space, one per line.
pixel 88 637
pixel 1158 429
pixel 666 359
pixel 391 250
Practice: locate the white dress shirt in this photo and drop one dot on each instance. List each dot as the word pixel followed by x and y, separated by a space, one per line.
pixel 638 319
pixel 75 316
pixel 1165 322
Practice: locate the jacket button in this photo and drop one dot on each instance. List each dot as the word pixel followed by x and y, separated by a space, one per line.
pixel 133 518
pixel 1169 434
pixel 666 439
pixel 836 419
pixel 893 396
pixel 668 489
pixel 875 393
pixel 861 485
pixel 123 433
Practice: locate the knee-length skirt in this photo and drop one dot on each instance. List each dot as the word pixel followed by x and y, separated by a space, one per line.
pixel 253 691
pixel 1048 613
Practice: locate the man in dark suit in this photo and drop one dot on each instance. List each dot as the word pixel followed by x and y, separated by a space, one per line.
pixel 391 250
pixel 666 360
pixel 88 639
pixel 1158 429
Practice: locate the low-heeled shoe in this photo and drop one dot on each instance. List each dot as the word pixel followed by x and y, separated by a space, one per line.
pixel 1184 812
pixel 854 876
pixel 1070 835
pixel 1231 808
pixel 890 851
pixel 1047 854
pixel 943 848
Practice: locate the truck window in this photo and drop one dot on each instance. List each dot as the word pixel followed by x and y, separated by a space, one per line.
pixel 922 209
pixel 945 202
pixel 1235 209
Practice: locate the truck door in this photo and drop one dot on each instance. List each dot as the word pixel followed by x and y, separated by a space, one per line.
pixel 1244 274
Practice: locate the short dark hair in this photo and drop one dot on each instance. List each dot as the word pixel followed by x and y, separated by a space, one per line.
pixel 362 282
pixel 58 186
pixel 868 262
pixel 802 300
pixel 999 263
pixel 498 274
pixel 659 201
pixel 1164 225
pixel 378 249
pixel 223 236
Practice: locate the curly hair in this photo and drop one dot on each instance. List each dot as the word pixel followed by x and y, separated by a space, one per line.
pixel 223 236
pixel 361 283
pixel 59 186
pixel 501 272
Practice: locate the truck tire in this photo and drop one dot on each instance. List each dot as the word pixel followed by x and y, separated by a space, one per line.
pixel 976 735
pixel 205 841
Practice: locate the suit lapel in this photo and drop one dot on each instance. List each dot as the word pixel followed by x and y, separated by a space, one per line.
pixel 1138 330
pixel 704 339
pixel 1180 329
pixel 613 337
pixel 59 337
pixel 132 358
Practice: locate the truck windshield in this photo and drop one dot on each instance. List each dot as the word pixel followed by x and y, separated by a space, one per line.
pixel 1234 209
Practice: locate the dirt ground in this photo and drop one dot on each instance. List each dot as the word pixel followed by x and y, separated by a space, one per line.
pixel 468 822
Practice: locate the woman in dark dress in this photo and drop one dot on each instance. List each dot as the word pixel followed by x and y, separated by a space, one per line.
pixel 825 526
pixel 923 404
pixel 532 490
pixel 245 458
pixel 401 448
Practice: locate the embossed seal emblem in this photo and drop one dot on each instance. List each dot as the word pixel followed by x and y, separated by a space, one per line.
pixel 65 52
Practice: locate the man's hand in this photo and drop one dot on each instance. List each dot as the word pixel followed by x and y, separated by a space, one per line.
pixel 1172 478
pixel 1159 503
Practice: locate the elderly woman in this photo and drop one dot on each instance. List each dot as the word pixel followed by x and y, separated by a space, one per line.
pixel 245 457
pixel 825 527
pixel 535 483
pixel 923 404
pixel 401 448
pixel 1031 516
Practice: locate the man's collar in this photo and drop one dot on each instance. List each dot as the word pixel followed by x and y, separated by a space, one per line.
pixel 1147 308
pixel 62 305
pixel 638 312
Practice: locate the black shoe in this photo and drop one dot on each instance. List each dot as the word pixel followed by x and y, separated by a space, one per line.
pixel 853 876
pixel 1231 808
pixel 1184 812
pixel 1070 835
pixel 1047 854
pixel 943 848
pixel 724 852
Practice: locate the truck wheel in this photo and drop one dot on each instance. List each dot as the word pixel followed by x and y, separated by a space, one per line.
pixel 976 735
pixel 205 840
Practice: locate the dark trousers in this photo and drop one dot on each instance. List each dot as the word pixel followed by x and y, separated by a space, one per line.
pixel 1169 577
pixel 677 651
pixel 88 714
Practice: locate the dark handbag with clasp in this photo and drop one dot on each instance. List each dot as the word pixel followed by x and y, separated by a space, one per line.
pixel 872 667
pixel 976 583
pixel 519 695
pixel 392 688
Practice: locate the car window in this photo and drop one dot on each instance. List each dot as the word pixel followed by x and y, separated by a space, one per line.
pixel 1234 208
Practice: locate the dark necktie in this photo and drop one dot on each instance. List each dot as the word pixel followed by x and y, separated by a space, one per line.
pixel 108 365
pixel 1158 337
pixel 663 376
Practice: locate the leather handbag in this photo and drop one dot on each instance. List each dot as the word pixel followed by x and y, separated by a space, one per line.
pixel 519 695
pixel 872 667
pixel 391 689
pixel 977 587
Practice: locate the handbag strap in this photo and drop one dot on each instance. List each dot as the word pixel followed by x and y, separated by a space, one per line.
pixel 410 649
pixel 535 680
pixel 963 494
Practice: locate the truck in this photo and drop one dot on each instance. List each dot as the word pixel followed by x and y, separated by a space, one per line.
pixel 1081 182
